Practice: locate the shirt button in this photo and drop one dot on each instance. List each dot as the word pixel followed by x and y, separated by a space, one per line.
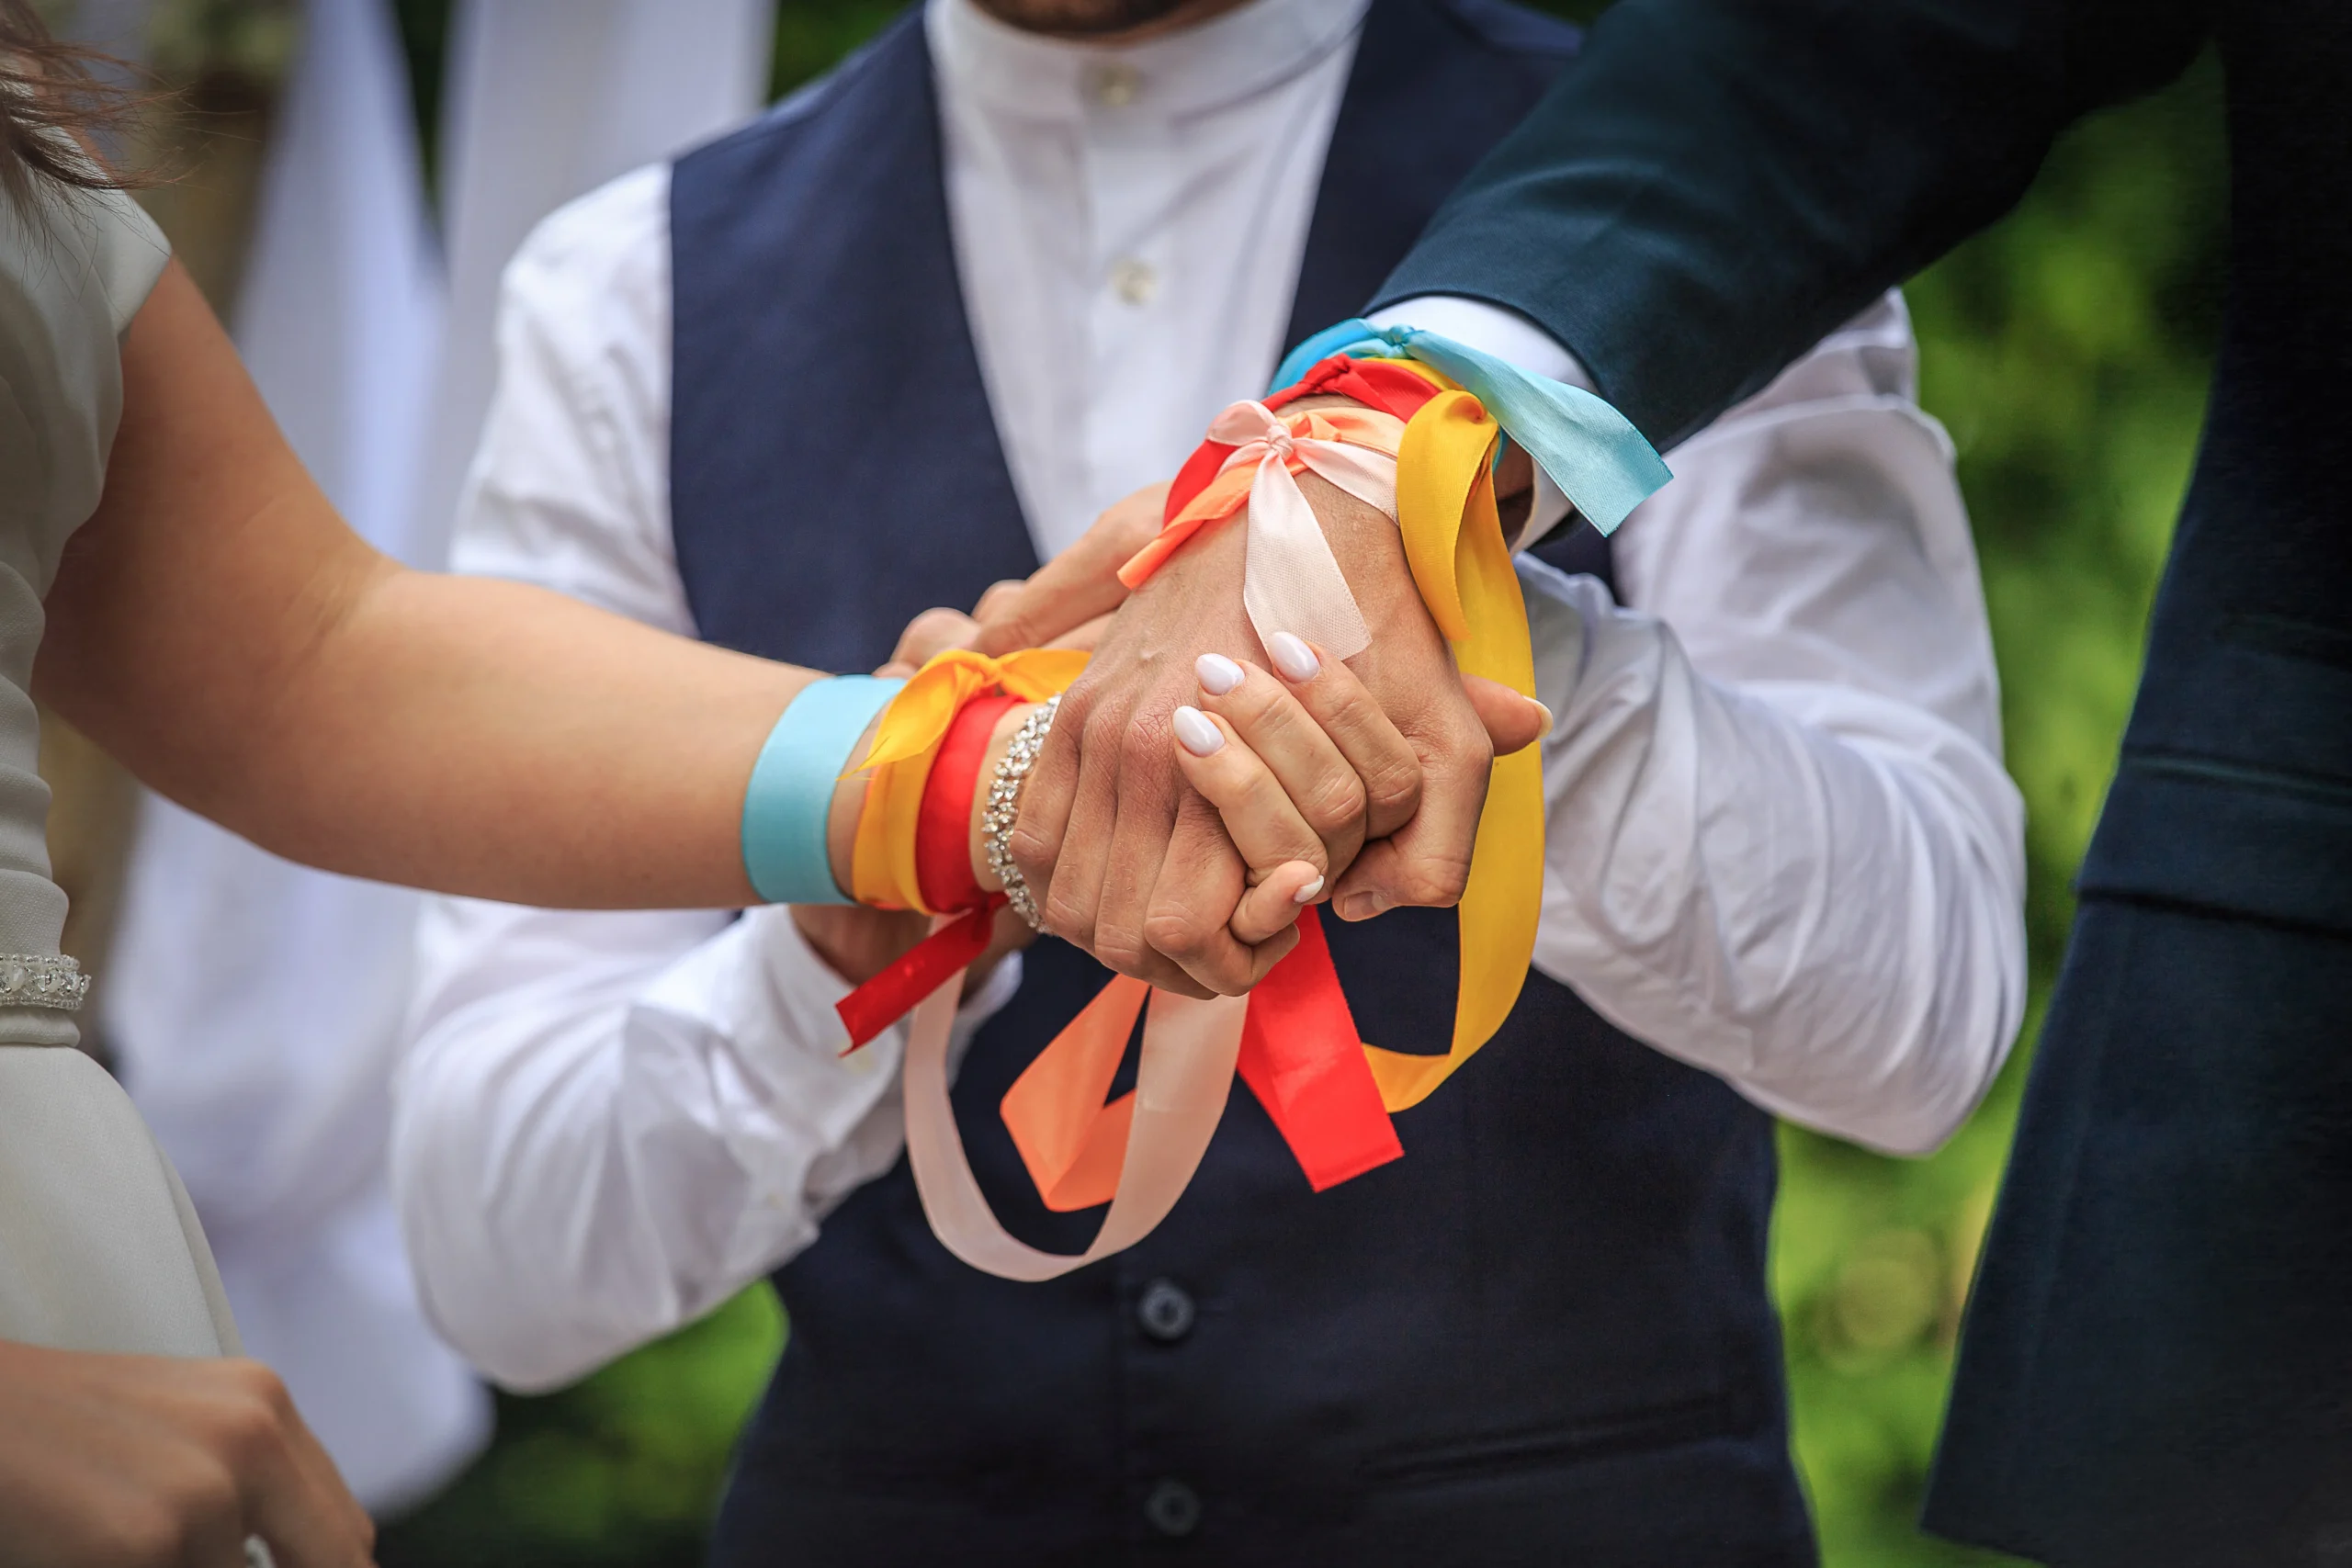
pixel 1165 1311
pixel 1172 1509
pixel 1134 281
pixel 1114 83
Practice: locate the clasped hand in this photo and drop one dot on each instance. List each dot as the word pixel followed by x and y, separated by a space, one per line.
pixel 1199 787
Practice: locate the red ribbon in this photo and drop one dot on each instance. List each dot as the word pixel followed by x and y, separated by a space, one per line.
pixel 922 969
pixel 1302 1058
pixel 943 823
pixel 943 869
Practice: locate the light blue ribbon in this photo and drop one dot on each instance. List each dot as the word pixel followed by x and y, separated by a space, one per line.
pixel 791 794
pixel 1592 452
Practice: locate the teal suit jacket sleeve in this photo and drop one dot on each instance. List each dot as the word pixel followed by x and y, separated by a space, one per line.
pixel 1718 183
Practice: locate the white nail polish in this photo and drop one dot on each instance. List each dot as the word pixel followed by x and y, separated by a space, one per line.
pixel 1306 894
pixel 1217 673
pixel 1293 658
pixel 1196 734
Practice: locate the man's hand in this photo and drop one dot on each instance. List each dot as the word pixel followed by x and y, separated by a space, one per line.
pixel 1068 603
pixel 154 1461
pixel 1132 865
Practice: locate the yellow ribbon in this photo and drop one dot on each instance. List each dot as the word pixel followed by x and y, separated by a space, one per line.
pixel 1453 542
pixel 906 743
pixel 918 718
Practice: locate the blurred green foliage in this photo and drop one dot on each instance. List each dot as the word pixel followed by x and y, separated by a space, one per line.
pixel 2066 351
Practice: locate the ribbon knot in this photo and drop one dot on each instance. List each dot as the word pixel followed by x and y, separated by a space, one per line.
pixel 1293 583
pixel 1250 425
pixel 1592 452
pixel 918 715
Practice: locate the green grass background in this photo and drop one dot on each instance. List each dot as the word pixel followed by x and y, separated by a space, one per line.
pixel 2066 350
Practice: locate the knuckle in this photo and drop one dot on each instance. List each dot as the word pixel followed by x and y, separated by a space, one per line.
pixel 1033 857
pixel 1017 629
pixel 1130 952
pixel 1143 748
pixel 1466 739
pixel 1099 724
pixel 1177 934
pixel 1393 786
pixel 1079 703
pixel 1227 972
pixel 1334 804
pixel 247 1430
pixel 1432 882
pixel 263 1387
pixel 144 1532
pixel 1065 914
pixel 928 632
pixel 1001 593
pixel 193 1500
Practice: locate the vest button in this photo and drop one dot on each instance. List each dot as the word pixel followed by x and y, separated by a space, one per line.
pixel 1166 1311
pixel 1172 1509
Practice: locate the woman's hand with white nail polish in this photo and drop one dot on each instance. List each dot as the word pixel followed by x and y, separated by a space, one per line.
pixel 1285 858
pixel 1271 909
pixel 1293 659
pixel 1197 735
pixel 1216 674
pixel 1350 772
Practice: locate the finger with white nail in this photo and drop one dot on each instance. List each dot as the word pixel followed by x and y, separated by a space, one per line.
pixel 1284 853
pixel 1347 769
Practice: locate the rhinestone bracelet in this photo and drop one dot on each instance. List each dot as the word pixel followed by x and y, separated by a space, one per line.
pixel 1004 808
pixel 41 980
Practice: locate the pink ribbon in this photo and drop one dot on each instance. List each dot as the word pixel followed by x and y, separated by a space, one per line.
pixel 1293 582
pixel 1182 1083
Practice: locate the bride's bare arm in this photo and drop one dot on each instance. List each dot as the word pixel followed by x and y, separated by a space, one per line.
pixel 217 628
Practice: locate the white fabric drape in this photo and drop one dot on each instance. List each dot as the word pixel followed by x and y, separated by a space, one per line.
pixel 256 1006
pixel 547 100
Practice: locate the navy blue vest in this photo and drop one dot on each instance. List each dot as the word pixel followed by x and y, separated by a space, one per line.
pixel 1541 1337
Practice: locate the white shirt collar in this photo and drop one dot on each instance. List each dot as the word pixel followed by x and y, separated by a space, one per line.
pixel 1222 61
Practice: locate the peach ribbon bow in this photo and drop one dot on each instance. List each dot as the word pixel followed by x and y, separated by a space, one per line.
pixel 1293 582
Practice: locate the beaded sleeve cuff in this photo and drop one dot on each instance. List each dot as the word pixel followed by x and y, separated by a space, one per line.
pixel 42 980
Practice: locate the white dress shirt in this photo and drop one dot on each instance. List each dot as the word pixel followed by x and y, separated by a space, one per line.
pixel 1780 844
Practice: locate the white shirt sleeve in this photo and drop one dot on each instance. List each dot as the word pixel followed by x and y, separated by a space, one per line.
pixel 609 1123
pixel 1780 845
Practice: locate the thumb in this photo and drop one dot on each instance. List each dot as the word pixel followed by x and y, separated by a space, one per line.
pixel 1512 721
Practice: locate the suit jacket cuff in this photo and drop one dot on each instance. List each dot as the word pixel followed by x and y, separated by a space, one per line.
pixel 1506 334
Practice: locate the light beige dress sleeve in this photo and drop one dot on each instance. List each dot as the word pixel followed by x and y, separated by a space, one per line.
pixel 99 1248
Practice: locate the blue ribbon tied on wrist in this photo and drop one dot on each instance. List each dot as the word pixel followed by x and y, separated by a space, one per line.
pixel 1593 453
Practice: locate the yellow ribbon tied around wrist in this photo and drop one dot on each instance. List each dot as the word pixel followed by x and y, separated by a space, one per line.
pixel 906 741
pixel 1453 542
